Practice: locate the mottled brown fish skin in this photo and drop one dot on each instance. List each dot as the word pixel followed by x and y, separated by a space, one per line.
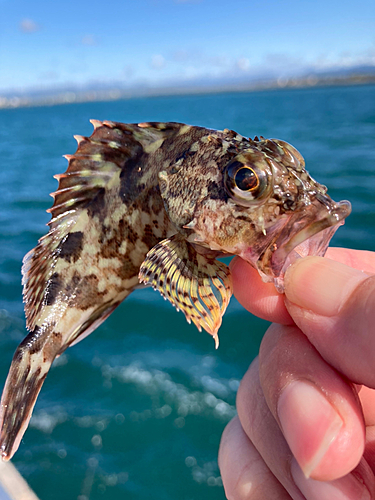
pixel 104 221
pixel 158 200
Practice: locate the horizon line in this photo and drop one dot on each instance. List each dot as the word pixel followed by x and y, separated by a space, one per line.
pixel 115 93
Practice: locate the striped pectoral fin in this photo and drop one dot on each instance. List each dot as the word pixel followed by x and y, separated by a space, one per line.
pixel 198 286
pixel 30 365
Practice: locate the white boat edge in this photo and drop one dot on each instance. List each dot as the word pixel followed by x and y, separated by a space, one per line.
pixel 12 485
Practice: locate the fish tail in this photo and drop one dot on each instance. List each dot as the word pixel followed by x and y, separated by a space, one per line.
pixel 30 365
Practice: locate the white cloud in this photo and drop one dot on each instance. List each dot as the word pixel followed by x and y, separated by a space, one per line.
pixel 346 59
pixel 88 40
pixel 29 26
pixel 128 71
pixel 243 64
pixel 158 61
pixel 181 55
pixel 49 75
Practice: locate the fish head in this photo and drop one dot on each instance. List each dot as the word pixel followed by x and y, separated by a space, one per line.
pixel 252 198
pixel 296 216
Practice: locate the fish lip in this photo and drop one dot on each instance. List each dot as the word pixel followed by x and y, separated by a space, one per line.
pixel 311 239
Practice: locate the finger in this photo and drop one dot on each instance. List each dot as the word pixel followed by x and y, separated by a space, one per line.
pixel 369 454
pixel 362 260
pixel 245 475
pixel 318 411
pixel 262 429
pixel 367 398
pixel 263 300
pixel 350 487
pixel 334 305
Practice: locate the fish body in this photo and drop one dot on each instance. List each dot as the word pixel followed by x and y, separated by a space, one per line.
pixel 158 203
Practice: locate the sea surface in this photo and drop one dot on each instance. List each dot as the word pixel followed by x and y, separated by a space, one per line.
pixel 137 409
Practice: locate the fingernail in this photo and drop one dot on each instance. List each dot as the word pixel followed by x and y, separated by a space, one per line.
pixel 321 285
pixel 309 423
pixel 345 488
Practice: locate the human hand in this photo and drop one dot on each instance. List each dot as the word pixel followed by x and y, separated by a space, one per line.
pixel 306 407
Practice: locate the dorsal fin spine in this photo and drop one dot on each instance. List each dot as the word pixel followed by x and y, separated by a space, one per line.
pixel 96 123
pixel 80 138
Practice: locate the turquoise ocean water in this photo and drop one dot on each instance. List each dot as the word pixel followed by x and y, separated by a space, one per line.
pixel 136 410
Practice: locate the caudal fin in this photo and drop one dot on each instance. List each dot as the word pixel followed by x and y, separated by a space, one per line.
pixel 28 370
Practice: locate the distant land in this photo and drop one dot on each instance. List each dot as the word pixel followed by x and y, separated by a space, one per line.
pixel 359 75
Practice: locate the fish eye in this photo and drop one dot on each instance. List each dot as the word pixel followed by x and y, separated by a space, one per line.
pixel 246 179
pixel 245 183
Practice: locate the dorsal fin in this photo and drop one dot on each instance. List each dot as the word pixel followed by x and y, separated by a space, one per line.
pixel 99 156
pixel 91 167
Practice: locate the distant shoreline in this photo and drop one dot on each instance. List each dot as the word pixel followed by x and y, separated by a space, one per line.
pixel 71 96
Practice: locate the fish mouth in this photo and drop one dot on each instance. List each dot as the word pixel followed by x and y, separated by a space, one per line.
pixel 309 234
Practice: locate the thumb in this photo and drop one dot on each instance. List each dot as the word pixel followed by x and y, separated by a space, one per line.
pixel 334 305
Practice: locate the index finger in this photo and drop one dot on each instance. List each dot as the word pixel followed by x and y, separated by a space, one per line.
pixel 263 300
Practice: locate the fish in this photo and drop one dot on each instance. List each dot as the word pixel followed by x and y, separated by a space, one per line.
pixel 158 204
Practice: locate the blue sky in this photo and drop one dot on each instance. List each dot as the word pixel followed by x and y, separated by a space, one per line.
pixel 156 42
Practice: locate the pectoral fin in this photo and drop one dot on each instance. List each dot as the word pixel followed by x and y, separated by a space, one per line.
pixel 197 285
